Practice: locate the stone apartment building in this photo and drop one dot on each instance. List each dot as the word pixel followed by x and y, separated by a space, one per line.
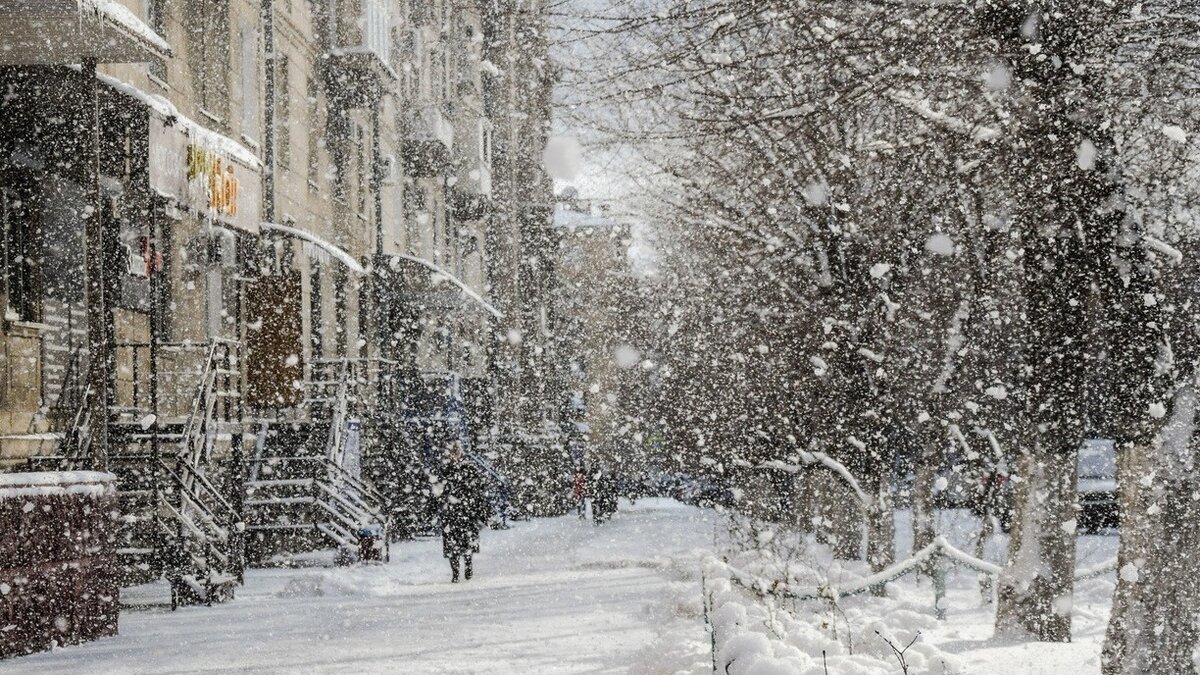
pixel 237 233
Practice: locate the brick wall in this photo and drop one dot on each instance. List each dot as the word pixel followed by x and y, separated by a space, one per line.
pixel 58 581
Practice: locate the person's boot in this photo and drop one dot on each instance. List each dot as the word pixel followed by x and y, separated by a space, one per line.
pixel 467 568
pixel 454 570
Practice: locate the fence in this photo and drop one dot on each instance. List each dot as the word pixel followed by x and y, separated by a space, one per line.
pixel 938 556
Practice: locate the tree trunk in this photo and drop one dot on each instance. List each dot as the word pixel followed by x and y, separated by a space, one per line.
pixel 1153 627
pixel 923 514
pixel 1035 587
pixel 881 529
pixel 845 519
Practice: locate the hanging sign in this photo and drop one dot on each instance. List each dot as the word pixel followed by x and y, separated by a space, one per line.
pixel 215 174
pixel 202 178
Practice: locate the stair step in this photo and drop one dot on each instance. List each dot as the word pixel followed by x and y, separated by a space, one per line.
pixel 281 482
pixel 278 500
pixel 280 526
pixel 135 551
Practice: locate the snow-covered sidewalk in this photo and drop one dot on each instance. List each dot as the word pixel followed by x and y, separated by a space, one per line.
pixel 550 596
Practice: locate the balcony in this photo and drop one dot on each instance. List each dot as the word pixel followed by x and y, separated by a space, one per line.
pixel 473 181
pixel 472 196
pixel 475 178
pixel 50 32
pixel 361 54
pixel 428 141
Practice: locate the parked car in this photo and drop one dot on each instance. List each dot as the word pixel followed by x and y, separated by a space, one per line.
pixel 1098 505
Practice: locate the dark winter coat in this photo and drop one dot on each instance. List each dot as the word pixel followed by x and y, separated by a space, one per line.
pixel 464 508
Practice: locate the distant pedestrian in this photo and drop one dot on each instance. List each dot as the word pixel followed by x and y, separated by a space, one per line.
pixel 464 512
pixel 579 489
pixel 604 495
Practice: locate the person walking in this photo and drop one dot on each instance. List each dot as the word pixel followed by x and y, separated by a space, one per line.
pixel 464 511
pixel 604 495
pixel 578 489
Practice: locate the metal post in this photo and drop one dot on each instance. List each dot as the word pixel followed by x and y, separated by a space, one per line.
pixel 233 361
pixel 156 323
pixel 939 586
pixel 99 322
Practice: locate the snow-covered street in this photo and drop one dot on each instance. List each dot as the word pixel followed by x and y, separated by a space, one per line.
pixel 555 595
pixel 550 596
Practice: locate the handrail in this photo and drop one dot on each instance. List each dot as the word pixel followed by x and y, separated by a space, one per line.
pixel 196 423
pixel 78 440
pixel 183 343
pixel 357 483
pixel 208 487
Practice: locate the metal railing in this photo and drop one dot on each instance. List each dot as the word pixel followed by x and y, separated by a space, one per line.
pixel 938 556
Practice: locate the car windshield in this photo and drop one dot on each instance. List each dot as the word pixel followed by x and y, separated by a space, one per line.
pixel 1097 459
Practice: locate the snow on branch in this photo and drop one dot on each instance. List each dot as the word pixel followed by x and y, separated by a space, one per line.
pixel 920 107
pixel 810 458
pixel 1160 246
pixel 938 548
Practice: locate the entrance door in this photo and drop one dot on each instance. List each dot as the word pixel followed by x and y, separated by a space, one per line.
pixel 274 337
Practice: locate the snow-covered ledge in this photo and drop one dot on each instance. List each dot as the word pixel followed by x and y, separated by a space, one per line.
pixel 328 247
pixel 433 267
pixel 70 31
pixel 119 15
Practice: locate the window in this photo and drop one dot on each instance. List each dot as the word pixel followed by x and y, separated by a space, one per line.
pixel 315 309
pixel 18 247
pixel 157 21
pixel 414 204
pixel 360 170
pixel 316 138
pixel 207 26
pixel 283 111
pixel 251 113
pixel 377 29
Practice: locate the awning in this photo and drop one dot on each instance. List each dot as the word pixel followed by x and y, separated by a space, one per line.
pixel 466 290
pixel 46 32
pixel 311 239
pixel 199 168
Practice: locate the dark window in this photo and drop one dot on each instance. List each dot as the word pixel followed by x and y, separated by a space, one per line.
pixel 361 171
pixel 156 19
pixel 315 135
pixel 207 26
pixel 20 251
pixel 283 111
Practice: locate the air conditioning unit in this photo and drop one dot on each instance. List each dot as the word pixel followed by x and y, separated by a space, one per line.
pixel 390 170
pixel 222 248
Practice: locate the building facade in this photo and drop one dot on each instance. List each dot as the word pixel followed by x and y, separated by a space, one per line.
pixel 266 252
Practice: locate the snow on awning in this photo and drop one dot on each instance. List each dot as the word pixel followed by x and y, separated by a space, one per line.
pixel 198 167
pixel 201 134
pixel 309 238
pixel 466 290
pixel 68 31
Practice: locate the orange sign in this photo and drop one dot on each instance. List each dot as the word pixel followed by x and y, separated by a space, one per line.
pixel 222 184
